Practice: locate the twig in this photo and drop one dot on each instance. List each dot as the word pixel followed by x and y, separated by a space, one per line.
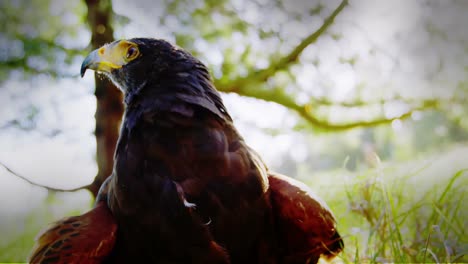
pixel 262 75
pixel 297 51
pixel 322 101
pixel 41 185
pixel 306 113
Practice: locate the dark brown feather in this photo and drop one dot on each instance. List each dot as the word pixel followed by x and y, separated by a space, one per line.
pixel 185 186
pixel 175 143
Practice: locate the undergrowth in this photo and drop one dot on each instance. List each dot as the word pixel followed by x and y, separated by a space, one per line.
pixel 399 213
pixel 388 216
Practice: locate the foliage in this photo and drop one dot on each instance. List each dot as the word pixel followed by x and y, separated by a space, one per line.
pixel 36 45
pixel 249 53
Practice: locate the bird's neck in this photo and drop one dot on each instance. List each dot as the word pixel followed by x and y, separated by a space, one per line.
pixel 131 94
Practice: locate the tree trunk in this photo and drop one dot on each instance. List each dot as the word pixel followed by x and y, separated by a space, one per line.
pixel 109 108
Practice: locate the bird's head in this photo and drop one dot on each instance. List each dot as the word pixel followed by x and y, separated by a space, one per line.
pixel 132 63
pixel 153 66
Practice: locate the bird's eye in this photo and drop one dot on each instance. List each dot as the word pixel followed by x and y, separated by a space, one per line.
pixel 132 52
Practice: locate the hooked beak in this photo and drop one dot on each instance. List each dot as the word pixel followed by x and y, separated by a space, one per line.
pixel 92 62
pixel 106 58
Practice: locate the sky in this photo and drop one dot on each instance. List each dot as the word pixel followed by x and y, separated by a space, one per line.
pixel 389 38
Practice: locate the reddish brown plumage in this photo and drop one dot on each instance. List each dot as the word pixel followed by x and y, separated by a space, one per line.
pixel 88 238
pixel 305 225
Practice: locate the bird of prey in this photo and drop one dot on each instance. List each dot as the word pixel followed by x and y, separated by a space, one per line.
pixel 185 187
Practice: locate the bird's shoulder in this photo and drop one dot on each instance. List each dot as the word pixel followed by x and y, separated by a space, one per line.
pixel 88 238
pixel 304 220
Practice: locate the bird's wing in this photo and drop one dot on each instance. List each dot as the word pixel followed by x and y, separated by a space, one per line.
pixel 306 226
pixel 88 238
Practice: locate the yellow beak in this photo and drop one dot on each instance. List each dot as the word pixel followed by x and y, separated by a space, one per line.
pixel 107 58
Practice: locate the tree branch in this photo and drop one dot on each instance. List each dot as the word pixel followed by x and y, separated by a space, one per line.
pixel 322 101
pixel 284 62
pixel 297 51
pixel 254 85
pixel 305 111
pixel 87 187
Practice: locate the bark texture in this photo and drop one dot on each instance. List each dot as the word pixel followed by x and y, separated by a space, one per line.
pixel 109 108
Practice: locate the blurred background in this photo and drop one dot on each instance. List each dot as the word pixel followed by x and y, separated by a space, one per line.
pixel 365 101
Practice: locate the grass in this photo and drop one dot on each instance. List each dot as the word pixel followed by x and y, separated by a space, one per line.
pixel 402 213
pixel 411 212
